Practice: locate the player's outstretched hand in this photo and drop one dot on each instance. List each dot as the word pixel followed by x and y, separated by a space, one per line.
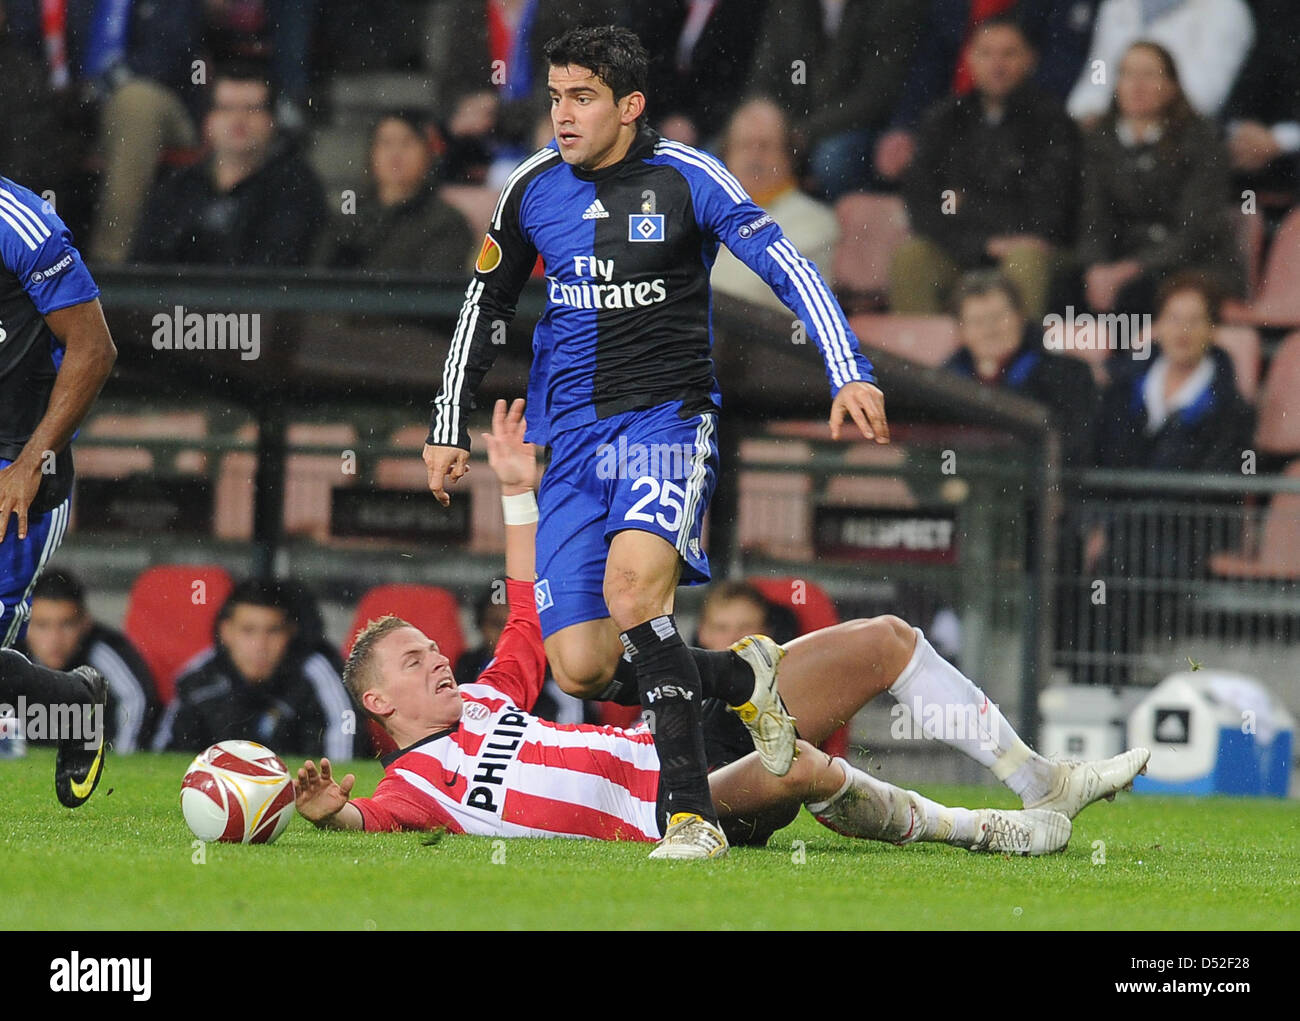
pixel 513 460
pixel 315 793
pixel 445 463
pixel 866 405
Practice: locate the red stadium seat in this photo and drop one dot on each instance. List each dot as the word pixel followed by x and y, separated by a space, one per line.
pixel 433 610
pixel 1278 302
pixel 930 340
pixel 1278 555
pixel 871 229
pixel 1278 429
pixel 813 609
pixel 169 616
pixel 1242 345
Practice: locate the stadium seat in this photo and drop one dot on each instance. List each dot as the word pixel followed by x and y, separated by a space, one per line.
pixel 1278 428
pixel 474 203
pixel 487 528
pixel 433 610
pixel 1278 554
pixel 169 616
pixel 870 490
pixel 1250 245
pixel 115 462
pixel 1277 304
pixel 309 480
pixel 871 229
pixel 929 340
pixel 1242 345
pixel 775 509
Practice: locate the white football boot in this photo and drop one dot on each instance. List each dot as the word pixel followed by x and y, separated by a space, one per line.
pixel 771 727
pixel 691 837
pixel 1025 833
pixel 1078 784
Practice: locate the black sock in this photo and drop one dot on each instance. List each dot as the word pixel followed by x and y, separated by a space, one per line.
pixel 622 690
pixel 20 676
pixel 723 675
pixel 671 692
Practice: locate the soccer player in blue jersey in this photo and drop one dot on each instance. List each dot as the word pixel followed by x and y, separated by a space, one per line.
pixel 623 393
pixel 55 354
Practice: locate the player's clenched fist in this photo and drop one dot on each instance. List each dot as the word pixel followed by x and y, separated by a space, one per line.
pixel 865 404
pixel 445 463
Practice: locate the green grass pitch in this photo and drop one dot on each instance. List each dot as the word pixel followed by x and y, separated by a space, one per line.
pixel 125 860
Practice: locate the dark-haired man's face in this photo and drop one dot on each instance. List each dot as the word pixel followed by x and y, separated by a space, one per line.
pixel 256 639
pixel 240 126
pixel 586 118
pixel 1000 61
pixel 55 629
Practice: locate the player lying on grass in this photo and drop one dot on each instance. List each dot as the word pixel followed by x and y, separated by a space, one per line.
pixel 473 760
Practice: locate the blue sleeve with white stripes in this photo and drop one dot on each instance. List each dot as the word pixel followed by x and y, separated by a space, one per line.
pixel 723 208
pixel 36 247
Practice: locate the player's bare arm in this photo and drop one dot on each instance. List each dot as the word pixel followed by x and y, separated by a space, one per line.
pixel 88 360
pixel 515 465
pixel 324 800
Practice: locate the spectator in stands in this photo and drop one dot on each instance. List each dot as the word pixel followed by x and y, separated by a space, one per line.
pixel 1001 347
pixel 1264 109
pixel 810 60
pixel 700 53
pixel 1061 32
pixel 61 634
pixel 280 32
pixel 734 609
pixel 257 683
pixel 1209 40
pixel 1155 190
pixel 1180 410
pixel 757 150
pixel 399 223
pixel 554 704
pixel 994 181
pixel 493 79
pixel 940 67
pixel 252 202
pixel 136 73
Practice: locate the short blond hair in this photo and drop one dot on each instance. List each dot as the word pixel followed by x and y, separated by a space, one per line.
pixel 359 673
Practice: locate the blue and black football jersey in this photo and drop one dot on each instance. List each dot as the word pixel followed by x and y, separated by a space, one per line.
pixel 627 250
pixel 40 272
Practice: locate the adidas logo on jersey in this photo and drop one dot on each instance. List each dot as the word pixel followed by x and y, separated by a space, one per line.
pixel 596 211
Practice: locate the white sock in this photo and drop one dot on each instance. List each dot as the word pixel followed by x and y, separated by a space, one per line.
pixel 875 810
pixel 948 706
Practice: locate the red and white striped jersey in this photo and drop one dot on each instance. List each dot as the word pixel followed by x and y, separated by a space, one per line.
pixel 503 772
